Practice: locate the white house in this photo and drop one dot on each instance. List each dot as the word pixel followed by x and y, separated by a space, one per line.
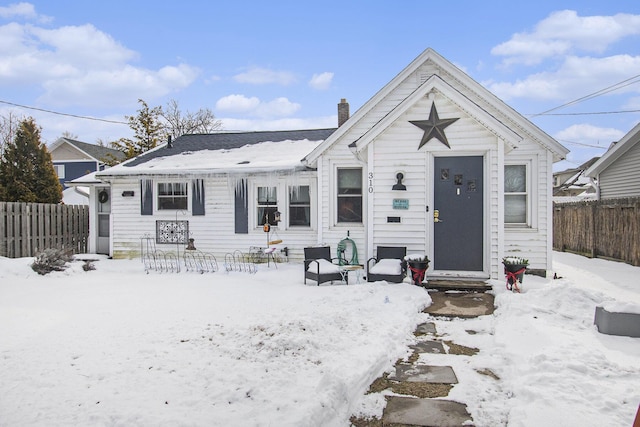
pixel 617 172
pixel 433 162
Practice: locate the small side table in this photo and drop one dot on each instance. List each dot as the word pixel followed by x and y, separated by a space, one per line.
pixel 345 269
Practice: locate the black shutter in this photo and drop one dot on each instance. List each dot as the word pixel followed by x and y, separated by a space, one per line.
pixel 146 197
pixel 197 197
pixel 241 208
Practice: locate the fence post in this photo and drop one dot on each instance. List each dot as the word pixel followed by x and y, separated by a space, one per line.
pixel 594 230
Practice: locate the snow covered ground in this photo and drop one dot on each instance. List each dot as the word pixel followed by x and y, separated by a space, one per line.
pixel 118 347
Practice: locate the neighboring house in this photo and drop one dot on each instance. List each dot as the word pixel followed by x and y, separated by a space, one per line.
pixel 573 185
pixel 617 172
pixel 73 159
pixel 433 162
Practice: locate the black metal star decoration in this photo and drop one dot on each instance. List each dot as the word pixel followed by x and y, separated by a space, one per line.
pixel 433 127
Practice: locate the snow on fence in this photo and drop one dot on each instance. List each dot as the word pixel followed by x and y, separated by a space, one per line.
pixel 28 228
pixel 599 228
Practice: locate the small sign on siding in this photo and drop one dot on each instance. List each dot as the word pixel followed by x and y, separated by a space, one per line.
pixel 400 203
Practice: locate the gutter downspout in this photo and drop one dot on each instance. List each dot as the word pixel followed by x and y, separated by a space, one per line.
pixel 80 191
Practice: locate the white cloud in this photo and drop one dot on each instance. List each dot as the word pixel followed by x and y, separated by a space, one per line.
pixel 564 32
pixel 240 104
pixel 117 87
pixel 260 76
pixel 589 134
pixel 577 77
pixel 22 10
pixel 321 81
pixel 81 65
pixel 585 142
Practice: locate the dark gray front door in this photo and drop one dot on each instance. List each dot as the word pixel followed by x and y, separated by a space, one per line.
pixel 458 209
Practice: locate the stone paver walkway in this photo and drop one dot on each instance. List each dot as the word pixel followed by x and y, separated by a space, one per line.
pixel 415 378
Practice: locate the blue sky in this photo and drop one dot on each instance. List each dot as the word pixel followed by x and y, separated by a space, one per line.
pixel 286 64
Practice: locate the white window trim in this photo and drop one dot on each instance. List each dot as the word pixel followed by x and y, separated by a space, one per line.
pixel 532 199
pixel 156 196
pixel 287 218
pixel 282 188
pixel 60 171
pixel 334 195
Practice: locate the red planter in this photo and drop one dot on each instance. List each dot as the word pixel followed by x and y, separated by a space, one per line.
pixel 418 270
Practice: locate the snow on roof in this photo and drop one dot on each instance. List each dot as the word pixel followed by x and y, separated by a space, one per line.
pixel 265 156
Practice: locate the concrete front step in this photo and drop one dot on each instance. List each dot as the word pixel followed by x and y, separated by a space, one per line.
pixel 408 411
pixel 456 285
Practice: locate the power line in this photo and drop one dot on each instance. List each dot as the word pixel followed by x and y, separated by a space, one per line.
pixel 583 144
pixel 623 83
pixel 64 114
pixel 587 114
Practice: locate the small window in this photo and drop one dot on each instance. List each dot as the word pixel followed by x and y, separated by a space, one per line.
pixel 172 196
pixel 515 194
pixel 299 206
pixel 59 171
pixel 349 195
pixel 267 205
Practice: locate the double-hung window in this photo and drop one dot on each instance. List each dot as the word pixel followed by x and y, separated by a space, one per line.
pixel 299 206
pixel 349 189
pixel 59 170
pixel 172 196
pixel 516 197
pixel 267 205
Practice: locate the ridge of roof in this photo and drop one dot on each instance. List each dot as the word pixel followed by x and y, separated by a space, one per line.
pixel 96 151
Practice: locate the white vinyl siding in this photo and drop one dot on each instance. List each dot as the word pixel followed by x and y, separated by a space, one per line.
pixel 622 177
pixel 213 232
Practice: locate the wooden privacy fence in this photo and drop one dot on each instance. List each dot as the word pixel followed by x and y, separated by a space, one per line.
pixel 28 228
pixel 602 228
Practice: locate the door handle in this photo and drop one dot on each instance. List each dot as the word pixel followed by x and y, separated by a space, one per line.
pixel 436 216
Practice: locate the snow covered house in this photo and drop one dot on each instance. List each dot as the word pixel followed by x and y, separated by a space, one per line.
pixel 433 162
pixel 617 172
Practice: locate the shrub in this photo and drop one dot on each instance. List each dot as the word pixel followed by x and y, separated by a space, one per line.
pixel 51 260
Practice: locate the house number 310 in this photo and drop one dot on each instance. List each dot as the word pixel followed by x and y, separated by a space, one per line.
pixel 370 182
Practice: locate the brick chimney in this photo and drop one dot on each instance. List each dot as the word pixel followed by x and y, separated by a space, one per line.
pixel 343 112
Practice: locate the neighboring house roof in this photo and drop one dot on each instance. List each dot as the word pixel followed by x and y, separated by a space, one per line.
pixel 225 151
pixel 92 151
pixel 615 152
pixel 488 109
pixel 574 180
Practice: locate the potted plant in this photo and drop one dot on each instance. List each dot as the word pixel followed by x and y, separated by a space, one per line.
pixel 514 269
pixel 418 264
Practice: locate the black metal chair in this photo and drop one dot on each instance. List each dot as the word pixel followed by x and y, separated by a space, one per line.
pixel 386 259
pixel 318 265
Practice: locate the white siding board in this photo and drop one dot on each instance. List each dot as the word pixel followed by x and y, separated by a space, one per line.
pixel 622 177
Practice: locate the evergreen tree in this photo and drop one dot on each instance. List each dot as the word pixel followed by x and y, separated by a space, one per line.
pixel 26 169
pixel 148 131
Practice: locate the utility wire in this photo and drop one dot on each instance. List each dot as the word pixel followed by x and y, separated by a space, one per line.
pixel 623 83
pixel 64 114
pixel 587 114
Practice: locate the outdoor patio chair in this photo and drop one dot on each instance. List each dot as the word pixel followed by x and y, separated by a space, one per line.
pixel 319 266
pixel 388 264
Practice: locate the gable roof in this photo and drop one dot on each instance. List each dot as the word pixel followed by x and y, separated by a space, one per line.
pixel 93 151
pixel 224 152
pixel 615 152
pixel 484 102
